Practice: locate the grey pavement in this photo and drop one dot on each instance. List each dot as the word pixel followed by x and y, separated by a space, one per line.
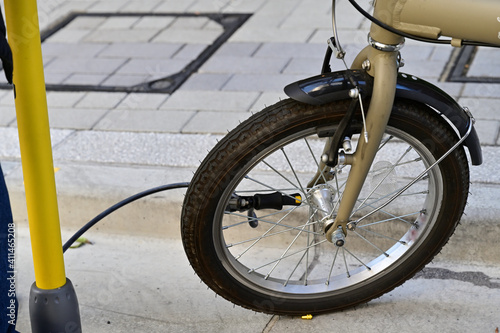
pixel 109 145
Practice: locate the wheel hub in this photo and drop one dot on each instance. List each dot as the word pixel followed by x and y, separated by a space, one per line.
pixel 321 199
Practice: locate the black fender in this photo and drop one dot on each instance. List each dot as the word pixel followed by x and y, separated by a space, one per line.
pixel 330 87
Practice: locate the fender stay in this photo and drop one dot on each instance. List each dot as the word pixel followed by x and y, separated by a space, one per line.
pixel 330 87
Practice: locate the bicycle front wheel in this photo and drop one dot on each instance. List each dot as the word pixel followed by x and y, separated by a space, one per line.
pixel 253 234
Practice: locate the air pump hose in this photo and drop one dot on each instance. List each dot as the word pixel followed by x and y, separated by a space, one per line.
pixel 119 205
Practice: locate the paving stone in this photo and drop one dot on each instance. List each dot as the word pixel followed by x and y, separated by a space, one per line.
pixel 207 81
pixel 487 131
pixel 124 80
pixel 107 6
pixel 490 69
pixel 190 22
pixel 119 23
pixel 81 50
pixel 305 66
pixel 154 22
pixel 289 50
pixel 84 65
pixel 171 6
pixel 73 36
pixel 85 79
pixel 243 65
pixel 143 6
pixel 86 22
pixel 140 50
pixel 142 101
pixel 120 36
pixel 64 99
pixel 46 62
pixel 226 6
pixel 144 120
pixel 425 69
pixel 214 122
pixel 9 145
pixel 100 100
pixel 7 99
pixel 236 49
pixel 234 101
pixel 278 8
pixel 7 115
pixel 188 36
pixel 80 119
pixel 267 99
pixel 55 78
pixel 312 14
pixel 481 90
pixel 155 68
pixel 231 6
pixel 190 51
pixel 261 82
pixel 266 34
pixel 441 53
pixel 483 108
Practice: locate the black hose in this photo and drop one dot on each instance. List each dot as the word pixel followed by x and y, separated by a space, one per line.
pixel 120 204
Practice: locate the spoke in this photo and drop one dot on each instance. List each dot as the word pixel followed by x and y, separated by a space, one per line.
pixel 269 189
pixel 270 222
pixel 287 256
pixel 400 218
pixel 386 175
pixel 280 174
pixel 331 267
pixel 387 213
pixel 362 263
pixel 385 141
pixel 340 196
pixel 288 210
pixel 274 189
pixel 284 253
pixel 366 240
pixel 384 236
pixel 293 170
pixel 306 253
pixel 345 262
pixel 264 235
pixel 307 256
pixel 317 164
pixel 371 204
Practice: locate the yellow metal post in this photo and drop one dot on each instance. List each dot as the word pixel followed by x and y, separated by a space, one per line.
pixel 34 136
pixel 53 303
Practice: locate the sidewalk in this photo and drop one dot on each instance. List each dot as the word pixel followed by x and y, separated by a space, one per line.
pixel 120 134
pixel 144 284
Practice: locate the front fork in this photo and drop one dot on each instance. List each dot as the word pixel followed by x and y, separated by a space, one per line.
pixel 383 66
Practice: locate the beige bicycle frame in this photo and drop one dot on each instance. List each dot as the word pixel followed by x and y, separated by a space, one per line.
pixel 458 20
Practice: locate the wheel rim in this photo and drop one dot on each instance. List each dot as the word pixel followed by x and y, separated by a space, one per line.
pixel 287 254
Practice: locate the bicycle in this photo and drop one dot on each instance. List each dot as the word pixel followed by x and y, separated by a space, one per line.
pixel 347 189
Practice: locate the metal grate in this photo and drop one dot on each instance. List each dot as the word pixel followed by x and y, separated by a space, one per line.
pixel 475 64
pixel 131 52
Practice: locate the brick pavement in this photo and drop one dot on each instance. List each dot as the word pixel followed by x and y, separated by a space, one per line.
pixel 283 41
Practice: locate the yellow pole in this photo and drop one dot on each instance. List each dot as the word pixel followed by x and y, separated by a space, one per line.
pixel 34 136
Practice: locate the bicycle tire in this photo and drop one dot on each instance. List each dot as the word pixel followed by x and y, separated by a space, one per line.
pixel 264 267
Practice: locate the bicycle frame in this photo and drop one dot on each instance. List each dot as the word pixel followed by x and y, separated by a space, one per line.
pixel 458 20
